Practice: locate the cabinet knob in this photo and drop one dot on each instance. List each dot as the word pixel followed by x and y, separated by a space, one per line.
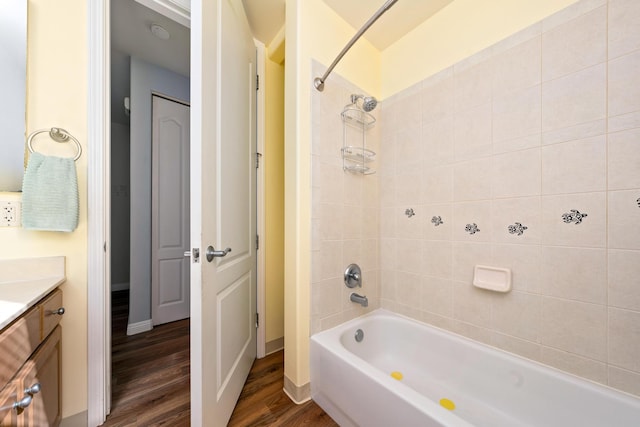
pixel 33 389
pixel 23 403
pixel 59 311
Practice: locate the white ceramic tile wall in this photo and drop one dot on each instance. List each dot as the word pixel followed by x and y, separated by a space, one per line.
pixel 346 219
pixel 536 141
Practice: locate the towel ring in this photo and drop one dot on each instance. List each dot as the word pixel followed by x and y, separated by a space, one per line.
pixel 58 135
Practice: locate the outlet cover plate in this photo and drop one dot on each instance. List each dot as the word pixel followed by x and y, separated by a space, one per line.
pixel 10 213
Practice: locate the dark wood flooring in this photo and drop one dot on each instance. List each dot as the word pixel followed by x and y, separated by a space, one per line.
pixel 263 403
pixel 150 381
pixel 149 372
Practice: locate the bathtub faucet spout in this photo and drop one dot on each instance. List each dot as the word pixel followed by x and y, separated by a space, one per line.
pixel 362 300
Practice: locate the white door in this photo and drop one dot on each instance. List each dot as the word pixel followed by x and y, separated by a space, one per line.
pixel 170 211
pixel 223 303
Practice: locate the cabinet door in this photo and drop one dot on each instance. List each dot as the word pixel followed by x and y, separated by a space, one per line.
pixel 43 368
pixel 8 415
pixel 17 342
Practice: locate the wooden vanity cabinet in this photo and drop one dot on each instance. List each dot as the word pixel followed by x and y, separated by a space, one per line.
pixel 38 378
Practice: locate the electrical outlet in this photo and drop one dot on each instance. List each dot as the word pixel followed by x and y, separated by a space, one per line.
pixel 9 213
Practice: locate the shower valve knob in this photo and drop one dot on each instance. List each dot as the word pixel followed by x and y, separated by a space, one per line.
pixel 353 276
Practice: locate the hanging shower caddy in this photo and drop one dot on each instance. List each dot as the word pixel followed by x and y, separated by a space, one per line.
pixel 356 157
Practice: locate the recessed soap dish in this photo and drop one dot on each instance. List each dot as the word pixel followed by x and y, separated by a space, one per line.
pixel 492 278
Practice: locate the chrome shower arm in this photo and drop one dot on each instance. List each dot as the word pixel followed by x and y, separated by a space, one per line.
pixel 318 82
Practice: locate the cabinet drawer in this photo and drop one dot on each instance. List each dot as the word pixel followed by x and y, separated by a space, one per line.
pixel 8 415
pixel 49 310
pixel 17 342
pixel 43 368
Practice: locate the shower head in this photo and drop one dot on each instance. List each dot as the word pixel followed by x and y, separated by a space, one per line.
pixel 367 103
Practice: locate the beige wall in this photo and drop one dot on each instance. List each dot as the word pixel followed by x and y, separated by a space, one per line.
pixel 274 198
pixel 344 213
pixel 542 123
pixel 459 30
pixel 308 36
pixel 57 69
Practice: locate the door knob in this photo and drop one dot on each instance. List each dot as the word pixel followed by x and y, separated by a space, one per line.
pixel 212 253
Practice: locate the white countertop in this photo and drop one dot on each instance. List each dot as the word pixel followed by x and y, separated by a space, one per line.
pixel 24 281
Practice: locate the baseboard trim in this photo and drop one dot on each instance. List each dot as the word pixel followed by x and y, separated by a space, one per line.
pixel 139 327
pixel 124 286
pixel 298 394
pixel 274 345
pixel 77 420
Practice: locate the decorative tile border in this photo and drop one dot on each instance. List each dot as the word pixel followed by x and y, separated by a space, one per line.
pixel 517 229
pixel 472 228
pixel 437 220
pixel 574 216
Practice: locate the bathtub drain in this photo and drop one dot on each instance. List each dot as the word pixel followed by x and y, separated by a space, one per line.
pixel 359 335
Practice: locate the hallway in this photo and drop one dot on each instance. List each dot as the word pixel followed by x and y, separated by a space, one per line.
pixel 150 372
pixel 150 381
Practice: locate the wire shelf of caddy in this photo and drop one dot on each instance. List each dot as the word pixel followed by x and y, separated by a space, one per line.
pixel 356 158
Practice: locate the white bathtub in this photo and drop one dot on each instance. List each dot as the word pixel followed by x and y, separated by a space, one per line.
pixel 352 381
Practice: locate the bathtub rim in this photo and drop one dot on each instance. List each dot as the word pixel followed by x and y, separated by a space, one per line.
pixel 334 334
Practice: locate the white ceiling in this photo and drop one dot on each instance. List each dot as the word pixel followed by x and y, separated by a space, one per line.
pixel 130 33
pixel 266 17
pixel 400 19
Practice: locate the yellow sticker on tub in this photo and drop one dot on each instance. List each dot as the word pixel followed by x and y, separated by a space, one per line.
pixel 397 375
pixel 447 404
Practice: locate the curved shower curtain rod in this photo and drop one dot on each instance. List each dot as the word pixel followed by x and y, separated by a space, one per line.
pixel 318 82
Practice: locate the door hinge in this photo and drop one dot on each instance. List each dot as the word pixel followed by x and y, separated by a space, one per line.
pixel 257 320
pixel 257 242
pixel 257 82
pixel 258 155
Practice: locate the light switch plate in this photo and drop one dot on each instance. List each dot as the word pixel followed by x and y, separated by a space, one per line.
pixel 10 213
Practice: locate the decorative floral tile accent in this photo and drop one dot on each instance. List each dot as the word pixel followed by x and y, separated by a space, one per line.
pixel 409 212
pixel 638 202
pixel 471 228
pixel 437 220
pixel 517 229
pixel 574 216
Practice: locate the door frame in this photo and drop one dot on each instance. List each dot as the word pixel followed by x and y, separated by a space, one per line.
pixel 99 206
pixel 260 204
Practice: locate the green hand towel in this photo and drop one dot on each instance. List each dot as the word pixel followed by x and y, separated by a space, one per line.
pixel 50 194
